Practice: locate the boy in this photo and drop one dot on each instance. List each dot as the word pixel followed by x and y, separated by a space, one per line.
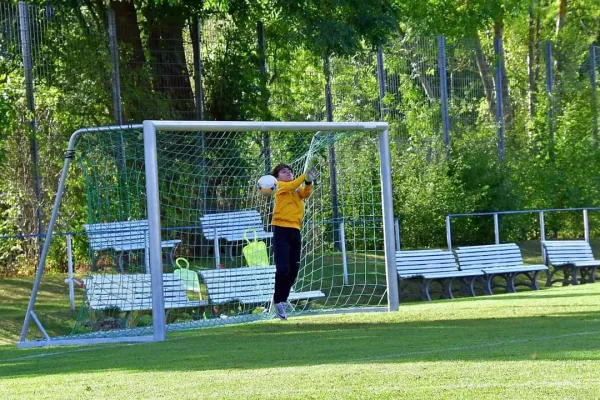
pixel 287 218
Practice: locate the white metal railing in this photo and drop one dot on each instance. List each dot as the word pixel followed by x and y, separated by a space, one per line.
pixel 541 213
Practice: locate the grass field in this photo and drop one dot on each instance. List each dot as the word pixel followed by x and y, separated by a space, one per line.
pixel 543 344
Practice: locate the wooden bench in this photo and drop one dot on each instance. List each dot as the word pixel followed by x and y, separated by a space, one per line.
pixel 122 237
pixel 498 260
pixel 230 226
pixel 133 292
pixel 429 266
pixel 246 285
pixel 571 257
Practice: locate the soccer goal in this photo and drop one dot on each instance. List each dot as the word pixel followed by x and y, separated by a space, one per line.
pixel 179 235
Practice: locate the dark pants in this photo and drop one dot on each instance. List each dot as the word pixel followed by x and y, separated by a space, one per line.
pixel 286 245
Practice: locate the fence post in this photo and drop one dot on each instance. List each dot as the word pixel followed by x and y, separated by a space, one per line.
pixel 116 82
pixel 70 272
pixel 586 226
pixel 262 66
pixel 196 36
pixel 496 229
pixel 199 92
pixel 550 95
pixel 594 93
pixel 499 55
pixel 448 233
pixel 332 161
pixel 542 233
pixel 344 257
pixel 114 58
pixel 444 93
pixel 381 80
pixel 33 143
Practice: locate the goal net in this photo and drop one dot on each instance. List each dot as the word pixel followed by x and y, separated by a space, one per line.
pixel 180 237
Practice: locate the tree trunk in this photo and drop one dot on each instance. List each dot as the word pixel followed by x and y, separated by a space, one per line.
pixel 131 59
pixel 170 75
pixel 507 103
pixel 558 56
pixel 417 70
pixel 558 69
pixel 533 58
pixel 486 75
pixel 562 15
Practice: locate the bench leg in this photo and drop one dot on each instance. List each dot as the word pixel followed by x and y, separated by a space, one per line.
pixel 510 283
pixel 487 284
pixel 574 279
pixel 588 275
pixel 425 289
pixel 402 292
pixel 171 256
pixel 467 286
pixel 230 251
pixel 120 261
pixel 549 275
pixel 447 291
pixel 566 270
pixel 509 286
pixel 534 278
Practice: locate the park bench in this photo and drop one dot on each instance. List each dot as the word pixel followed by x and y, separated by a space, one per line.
pixel 230 226
pixel 127 293
pixel 427 266
pixel 247 285
pixel 123 237
pixel 572 257
pixel 499 260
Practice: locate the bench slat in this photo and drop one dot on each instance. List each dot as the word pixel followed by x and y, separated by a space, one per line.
pixel 134 292
pixel 247 285
pixel 231 225
pixel 122 236
pixel 422 261
pixel 503 258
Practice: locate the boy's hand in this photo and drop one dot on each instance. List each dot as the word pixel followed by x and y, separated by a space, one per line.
pixel 313 162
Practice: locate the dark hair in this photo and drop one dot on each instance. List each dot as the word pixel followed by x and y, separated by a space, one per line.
pixel 278 168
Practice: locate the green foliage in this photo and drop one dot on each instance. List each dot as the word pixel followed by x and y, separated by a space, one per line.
pixel 551 154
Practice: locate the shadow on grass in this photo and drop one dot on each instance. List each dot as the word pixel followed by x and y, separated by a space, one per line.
pixel 306 342
pixel 546 293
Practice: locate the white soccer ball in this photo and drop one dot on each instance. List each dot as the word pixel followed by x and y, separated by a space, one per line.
pixel 267 185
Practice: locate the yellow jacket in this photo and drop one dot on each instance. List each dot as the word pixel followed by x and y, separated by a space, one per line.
pixel 289 202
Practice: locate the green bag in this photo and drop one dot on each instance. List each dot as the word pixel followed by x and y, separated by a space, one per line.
pixel 188 277
pixel 255 252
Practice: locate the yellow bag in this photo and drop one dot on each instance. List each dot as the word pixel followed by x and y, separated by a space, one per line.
pixel 255 252
pixel 188 277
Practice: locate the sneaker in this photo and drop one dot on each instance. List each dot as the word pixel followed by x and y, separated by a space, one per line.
pixel 280 311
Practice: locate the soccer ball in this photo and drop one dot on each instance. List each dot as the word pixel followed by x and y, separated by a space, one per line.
pixel 267 185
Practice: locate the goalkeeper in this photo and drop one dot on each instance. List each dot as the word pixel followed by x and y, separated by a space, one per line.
pixel 287 219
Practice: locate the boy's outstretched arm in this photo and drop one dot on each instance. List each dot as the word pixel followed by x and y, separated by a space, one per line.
pixel 291 185
pixel 307 189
